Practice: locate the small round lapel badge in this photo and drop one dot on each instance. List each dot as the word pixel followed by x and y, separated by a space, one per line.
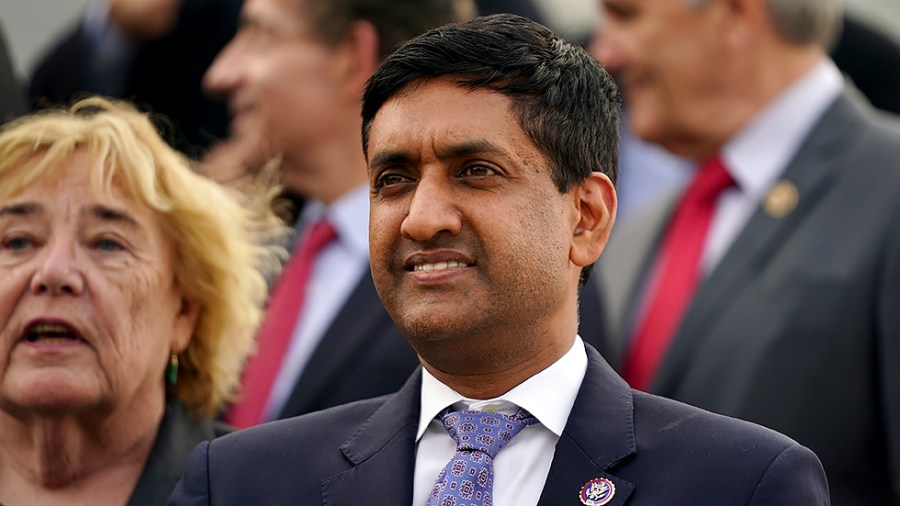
pixel 781 199
pixel 597 492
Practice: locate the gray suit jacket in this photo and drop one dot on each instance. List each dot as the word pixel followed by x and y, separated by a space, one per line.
pixel 798 327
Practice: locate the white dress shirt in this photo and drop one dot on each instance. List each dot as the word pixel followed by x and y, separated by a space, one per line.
pixel 521 467
pixel 336 272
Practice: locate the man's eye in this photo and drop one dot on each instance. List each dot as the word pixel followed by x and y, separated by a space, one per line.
pixel 390 180
pixel 479 170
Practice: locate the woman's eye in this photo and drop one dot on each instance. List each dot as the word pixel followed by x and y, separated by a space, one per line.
pixel 107 245
pixel 17 243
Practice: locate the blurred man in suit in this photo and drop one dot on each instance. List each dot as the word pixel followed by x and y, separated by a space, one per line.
pixel 491 150
pixel 768 289
pixel 12 97
pixel 293 77
pixel 150 52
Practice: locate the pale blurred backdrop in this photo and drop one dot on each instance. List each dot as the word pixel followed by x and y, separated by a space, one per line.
pixel 31 25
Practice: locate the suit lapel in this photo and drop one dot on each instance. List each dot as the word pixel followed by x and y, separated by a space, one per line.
pixel 811 172
pixel 382 453
pixel 598 435
pixel 352 328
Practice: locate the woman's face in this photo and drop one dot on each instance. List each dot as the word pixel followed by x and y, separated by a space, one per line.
pixel 89 312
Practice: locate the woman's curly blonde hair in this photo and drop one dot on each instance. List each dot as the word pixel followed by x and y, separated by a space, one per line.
pixel 215 232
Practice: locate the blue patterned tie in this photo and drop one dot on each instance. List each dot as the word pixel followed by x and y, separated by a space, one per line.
pixel 468 479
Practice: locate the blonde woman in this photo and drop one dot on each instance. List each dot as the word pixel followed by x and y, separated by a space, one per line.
pixel 130 290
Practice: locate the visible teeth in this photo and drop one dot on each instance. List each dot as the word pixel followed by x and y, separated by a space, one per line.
pixel 439 266
pixel 52 331
pixel 50 328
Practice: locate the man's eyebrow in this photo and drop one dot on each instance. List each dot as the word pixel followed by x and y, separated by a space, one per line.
pixel 105 213
pixel 23 209
pixel 461 149
pixel 389 158
pixel 468 148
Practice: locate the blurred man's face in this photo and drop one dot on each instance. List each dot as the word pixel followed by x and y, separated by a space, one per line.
pixel 670 61
pixel 282 84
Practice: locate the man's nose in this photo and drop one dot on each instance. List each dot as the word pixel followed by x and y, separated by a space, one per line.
pixel 432 211
pixel 225 73
pixel 58 271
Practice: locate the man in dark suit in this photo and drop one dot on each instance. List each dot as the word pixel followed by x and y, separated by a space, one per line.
pixel 491 149
pixel 792 318
pixel 293 77
pixel 12 97
pixel 150 52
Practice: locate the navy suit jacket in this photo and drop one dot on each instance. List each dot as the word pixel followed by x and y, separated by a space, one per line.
pixel 656 451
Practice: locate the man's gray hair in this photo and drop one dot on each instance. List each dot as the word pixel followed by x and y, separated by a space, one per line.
pixel 802 21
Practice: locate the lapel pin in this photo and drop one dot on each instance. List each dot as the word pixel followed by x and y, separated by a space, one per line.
pixel 781 200
pixel 597 492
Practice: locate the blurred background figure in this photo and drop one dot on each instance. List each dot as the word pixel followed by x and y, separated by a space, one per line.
pixel 12 97
pixel 130 291
pixel 768 289
pixel 150 52
pixel 866 56
pixel 293 77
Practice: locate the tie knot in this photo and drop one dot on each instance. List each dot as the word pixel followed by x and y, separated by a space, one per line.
pixel 320 234
pixel 483 431
pixel 712 179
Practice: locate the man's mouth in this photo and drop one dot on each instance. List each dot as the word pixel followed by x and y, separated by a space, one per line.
pixel 439 266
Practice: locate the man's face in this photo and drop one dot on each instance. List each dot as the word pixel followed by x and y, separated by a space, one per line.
pixel 469 236
pixel 282 84
pixel 669 59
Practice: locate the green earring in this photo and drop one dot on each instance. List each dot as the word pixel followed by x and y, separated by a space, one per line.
pixel 172 371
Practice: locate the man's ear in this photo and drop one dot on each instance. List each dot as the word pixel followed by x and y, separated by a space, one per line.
pixel 361 54
pixel 741 22
pixel 595 200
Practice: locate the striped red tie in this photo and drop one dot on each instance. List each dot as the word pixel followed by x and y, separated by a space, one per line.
pixel 275 334
pixel 678 271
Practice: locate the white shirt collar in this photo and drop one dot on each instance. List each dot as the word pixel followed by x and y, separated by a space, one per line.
pixel 548 395
pixel 349 215
pixel 760 152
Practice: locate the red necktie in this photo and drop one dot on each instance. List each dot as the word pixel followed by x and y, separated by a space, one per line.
pixel 678 271
pixel 275 334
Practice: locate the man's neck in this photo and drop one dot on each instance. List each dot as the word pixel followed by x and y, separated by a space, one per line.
pixel 477 378
pixel 328 172
pixel 784 65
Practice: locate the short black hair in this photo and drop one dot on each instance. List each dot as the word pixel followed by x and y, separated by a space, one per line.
pixel 565 101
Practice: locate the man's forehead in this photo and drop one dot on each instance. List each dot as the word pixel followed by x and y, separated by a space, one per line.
pixel 281 15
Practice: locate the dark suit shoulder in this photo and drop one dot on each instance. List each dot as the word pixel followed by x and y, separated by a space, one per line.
pixel 293 455
pixel 658 419
pixel 734 460
pixel 326 428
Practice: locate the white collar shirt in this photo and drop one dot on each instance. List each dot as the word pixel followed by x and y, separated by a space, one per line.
pixel 337 270
pixel 521 467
